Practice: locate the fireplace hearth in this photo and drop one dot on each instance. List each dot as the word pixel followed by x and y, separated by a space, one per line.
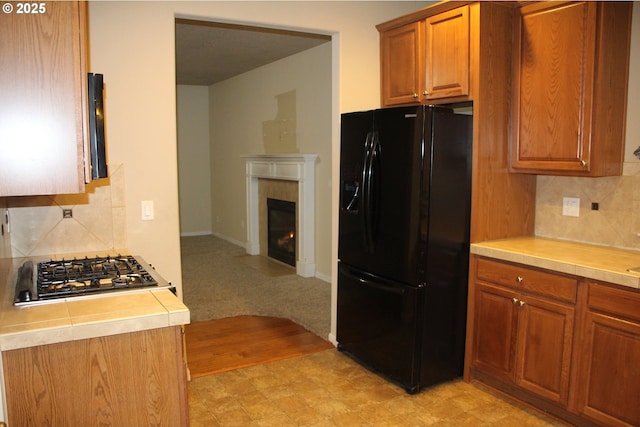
pixel 281 229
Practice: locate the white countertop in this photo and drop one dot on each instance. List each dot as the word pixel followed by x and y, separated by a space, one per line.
pixel 601 263
pixel 81 318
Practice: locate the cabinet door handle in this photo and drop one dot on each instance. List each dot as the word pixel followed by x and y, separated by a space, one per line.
pixel 415 95
pixel 519 279
pixel 521 303
pixel 515 300
pixel 425 93
pixel 583 163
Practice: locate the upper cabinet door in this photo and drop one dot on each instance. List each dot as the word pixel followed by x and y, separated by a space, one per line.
pixel 42 106
pixel 570 87
pixel 402 62
pixel 447 54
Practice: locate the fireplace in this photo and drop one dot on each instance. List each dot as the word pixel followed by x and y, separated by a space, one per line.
pixel 299 168
pixel 281 230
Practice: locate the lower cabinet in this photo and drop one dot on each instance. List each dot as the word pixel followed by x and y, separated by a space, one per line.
pixel 608 386
pixel 131 379
pixel 522 337
pixel 561 343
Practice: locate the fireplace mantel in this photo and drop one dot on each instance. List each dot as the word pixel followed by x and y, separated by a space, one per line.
pixel 291 167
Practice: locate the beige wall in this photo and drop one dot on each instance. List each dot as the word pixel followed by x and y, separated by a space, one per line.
pixel 251 114
pixel 617 222
pixel 193 160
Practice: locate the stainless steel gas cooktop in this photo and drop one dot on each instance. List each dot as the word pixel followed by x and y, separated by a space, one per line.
pixel 57 279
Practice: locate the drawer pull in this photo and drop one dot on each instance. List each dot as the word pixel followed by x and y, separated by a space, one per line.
pixel 519 279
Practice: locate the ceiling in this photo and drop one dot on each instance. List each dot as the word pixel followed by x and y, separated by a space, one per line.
pixel 209 52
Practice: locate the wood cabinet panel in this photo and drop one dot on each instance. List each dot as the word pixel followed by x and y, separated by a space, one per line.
pixel 129 379
pixel 447 54
pixel 608 382
pixel 528 279
pixel 402 58
pixel 570 87
pixel 42 114
pixel 611 380
pixel 556 64
pixel 495 331
pixel 545 329
pixel 620 302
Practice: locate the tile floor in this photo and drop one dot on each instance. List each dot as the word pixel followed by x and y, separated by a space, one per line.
pixel 327 389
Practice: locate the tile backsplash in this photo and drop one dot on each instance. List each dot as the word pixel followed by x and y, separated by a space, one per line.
pixel 616 222
pixel 97 224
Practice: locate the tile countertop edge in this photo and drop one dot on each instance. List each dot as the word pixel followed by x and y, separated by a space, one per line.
pixel 12 338
pixel 179 313
pixel 33 337
pixel 560 256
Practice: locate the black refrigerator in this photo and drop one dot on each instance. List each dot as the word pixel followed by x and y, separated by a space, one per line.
pixel 405 201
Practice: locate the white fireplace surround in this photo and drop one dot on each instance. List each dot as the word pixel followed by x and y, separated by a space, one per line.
pixel 290 167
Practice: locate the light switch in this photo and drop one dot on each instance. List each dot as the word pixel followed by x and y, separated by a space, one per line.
pixel 570 206
pixel 147 210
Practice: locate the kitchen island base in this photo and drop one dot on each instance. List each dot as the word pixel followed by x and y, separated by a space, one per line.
pixel 137 378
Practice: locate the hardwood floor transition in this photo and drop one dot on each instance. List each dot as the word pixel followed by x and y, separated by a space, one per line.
pixel 221 345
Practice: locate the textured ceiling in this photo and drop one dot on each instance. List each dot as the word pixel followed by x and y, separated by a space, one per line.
pixel 208 52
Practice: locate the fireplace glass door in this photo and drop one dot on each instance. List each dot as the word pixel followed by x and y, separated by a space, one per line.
pixel 281 224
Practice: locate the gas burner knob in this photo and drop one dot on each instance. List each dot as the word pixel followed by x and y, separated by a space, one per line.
pixel 24 295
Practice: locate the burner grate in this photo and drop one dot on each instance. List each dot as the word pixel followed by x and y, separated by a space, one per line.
pixel 58 279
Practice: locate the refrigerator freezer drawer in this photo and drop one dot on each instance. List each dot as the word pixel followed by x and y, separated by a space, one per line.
pixel 378 324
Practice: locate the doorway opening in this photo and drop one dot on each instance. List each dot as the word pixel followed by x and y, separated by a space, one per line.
pixel 214 118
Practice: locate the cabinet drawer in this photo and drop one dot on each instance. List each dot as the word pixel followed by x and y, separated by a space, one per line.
pixel 613 300
pixel 528 279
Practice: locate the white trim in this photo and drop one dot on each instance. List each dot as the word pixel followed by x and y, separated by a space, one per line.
pixel 291 167
pixel 196 233
pixel 228 239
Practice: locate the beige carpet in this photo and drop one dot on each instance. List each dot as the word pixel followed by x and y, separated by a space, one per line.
pixel 220 280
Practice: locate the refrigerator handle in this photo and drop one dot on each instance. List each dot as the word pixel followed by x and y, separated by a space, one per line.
pixel 379 284
pixel 370 201
pixel 366 177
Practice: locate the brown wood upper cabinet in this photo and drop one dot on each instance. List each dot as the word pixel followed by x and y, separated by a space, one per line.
pixel 43 102
pixel 571 62
pixel 402 64
pixel 426 60
pixel 447 54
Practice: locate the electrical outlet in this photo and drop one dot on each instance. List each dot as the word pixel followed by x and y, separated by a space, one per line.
pixel 570 206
